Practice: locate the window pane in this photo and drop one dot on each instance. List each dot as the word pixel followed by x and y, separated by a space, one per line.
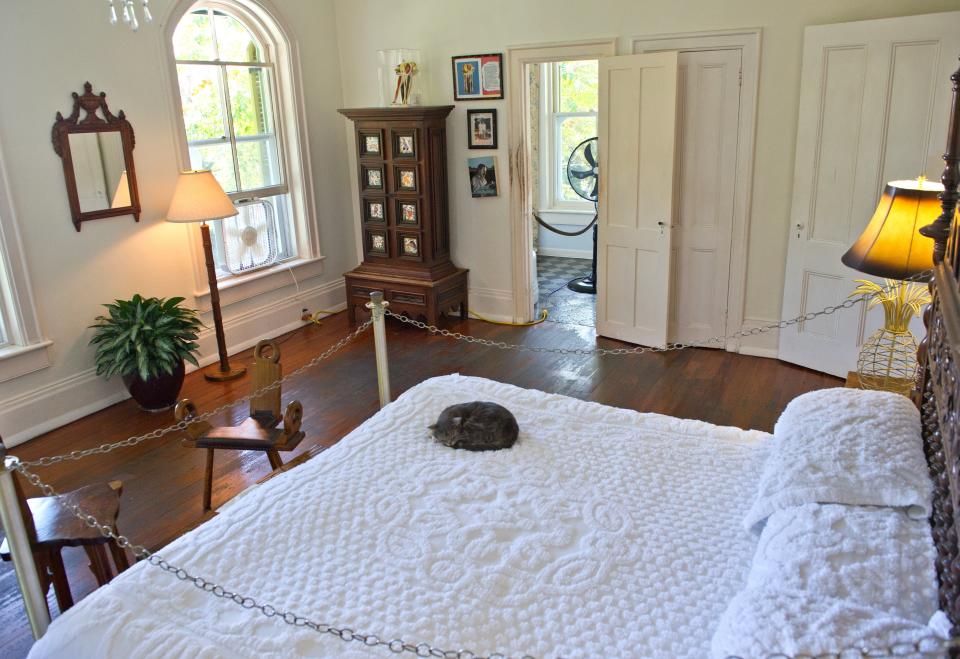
pixel 250 100
pixel 219 159
pixel 202 102
pixel 234 41
pixel 193 38
pixel 572 131
pixel 579 85
pixel 258 163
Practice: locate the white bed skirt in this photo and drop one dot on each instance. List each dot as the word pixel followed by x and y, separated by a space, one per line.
pixel 601 532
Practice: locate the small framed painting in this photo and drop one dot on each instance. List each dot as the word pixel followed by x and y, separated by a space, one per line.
pixel 477 77
pixel 481 129
pixel 483 176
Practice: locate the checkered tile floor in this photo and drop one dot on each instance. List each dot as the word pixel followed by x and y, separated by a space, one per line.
pixel 562 304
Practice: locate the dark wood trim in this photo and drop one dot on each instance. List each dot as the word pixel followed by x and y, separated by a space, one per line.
pixel 92 123
pixel 939 357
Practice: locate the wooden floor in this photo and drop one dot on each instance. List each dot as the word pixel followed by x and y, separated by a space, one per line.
pixel 163 481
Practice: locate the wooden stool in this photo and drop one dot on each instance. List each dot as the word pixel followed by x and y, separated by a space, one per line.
pixel 52 526
pixel 257 433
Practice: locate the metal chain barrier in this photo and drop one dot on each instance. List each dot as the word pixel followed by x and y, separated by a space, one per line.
pixel 639 350
pixel 923 647
pixel 636 350
pixel 182 425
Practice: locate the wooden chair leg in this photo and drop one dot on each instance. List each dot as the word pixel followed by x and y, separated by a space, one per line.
pixel 274 458
pixel 61 587
pixel 208 481
pixel 98 563
pixel 119 556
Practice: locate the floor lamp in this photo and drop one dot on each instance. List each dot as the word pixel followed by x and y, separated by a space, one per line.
pixel 199 198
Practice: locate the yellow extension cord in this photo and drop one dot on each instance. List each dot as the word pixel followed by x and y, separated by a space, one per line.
pixel 473 314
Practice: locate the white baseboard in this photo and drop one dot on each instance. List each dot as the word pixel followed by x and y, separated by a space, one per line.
pixel 492 303
pixel 565 253
pixel 766 344
pixel 45 408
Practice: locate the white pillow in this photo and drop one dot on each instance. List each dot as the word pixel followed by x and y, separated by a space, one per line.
pixel 877 557
pixel 846 446
pixel 766 621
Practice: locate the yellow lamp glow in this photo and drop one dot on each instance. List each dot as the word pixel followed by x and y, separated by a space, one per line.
pixel 891 246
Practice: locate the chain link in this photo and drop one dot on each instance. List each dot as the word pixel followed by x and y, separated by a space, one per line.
pixel 182 425
pixel 923 647
pixel 346 634
pixel 636 350
pixel 921 277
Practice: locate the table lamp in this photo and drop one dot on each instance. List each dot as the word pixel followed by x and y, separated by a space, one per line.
pixel 892 247
pixel 199 198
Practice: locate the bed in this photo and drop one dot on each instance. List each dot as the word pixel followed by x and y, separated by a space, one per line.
pixel 602 532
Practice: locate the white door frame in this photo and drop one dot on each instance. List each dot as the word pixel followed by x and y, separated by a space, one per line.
pixel 521 235
pixel 748 42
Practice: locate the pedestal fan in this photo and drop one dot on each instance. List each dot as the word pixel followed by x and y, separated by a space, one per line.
pixel 583 176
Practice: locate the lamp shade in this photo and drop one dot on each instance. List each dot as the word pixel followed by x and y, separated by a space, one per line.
pixel 199 198
pixel 891 246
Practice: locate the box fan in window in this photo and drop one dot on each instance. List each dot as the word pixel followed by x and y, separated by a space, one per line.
pixel 250 238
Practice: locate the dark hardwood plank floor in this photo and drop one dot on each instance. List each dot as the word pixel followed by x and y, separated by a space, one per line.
pixel 163 481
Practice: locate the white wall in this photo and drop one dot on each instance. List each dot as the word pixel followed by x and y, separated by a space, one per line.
pixel 443 28
pixel 48 49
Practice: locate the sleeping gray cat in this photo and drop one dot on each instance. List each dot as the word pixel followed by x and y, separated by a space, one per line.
pixel 476 426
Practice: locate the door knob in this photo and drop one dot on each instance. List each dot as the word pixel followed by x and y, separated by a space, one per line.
pixel 661 225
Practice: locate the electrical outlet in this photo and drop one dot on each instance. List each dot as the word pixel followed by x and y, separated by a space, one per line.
pixel 305 315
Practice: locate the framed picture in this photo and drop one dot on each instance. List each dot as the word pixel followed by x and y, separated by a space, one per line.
pixel 481 129
pixel 483 176
pixel 477 77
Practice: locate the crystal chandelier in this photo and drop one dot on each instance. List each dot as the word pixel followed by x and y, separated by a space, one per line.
pixel 129 12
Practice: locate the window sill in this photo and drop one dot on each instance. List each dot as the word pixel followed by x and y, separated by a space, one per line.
pixel 565 217
pixel 245 287
pixel 18 360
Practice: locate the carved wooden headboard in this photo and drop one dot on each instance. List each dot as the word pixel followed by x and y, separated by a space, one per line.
pixel 939 357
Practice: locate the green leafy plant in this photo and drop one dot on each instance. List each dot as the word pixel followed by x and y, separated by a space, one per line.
pixel 145 336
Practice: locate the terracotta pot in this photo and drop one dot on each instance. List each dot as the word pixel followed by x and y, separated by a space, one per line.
pixel 156 394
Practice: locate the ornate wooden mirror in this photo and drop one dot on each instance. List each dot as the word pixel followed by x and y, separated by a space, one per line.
pixel 97 155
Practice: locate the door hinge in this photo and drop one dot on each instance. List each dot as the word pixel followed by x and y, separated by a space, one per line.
pixel 740 78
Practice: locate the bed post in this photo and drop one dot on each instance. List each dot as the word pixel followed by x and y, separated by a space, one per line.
pixel 377 307
pixel 18 540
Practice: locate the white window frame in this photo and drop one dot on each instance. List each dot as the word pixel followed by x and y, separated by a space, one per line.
pixel 292 146
pixel 25 349
pixel 556 209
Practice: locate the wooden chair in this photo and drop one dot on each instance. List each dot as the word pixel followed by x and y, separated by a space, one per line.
pixel 257 433
pixel 52 526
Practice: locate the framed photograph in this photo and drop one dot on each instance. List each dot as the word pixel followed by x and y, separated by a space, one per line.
pixel 483 176
pixel 481 129
pixel 477 77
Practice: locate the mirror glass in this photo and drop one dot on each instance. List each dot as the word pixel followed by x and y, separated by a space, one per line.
pixel 100 170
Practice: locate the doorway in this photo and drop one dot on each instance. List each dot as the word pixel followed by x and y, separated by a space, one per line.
pixel 563 98
pixel 708 221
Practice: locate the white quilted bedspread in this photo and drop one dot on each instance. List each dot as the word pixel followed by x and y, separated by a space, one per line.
pixel 602 532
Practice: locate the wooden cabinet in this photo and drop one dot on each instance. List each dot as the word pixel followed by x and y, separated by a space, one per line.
pixel 405 225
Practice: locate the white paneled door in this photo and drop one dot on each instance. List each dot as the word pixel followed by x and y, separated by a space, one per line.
pixel 708 113
pixel 637 119
pixel 874 100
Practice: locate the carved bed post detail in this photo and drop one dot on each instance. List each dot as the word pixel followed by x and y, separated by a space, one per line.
pixel 939 230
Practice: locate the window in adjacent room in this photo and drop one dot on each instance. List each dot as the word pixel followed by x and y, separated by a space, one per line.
pixel 233 115
pixel 569 116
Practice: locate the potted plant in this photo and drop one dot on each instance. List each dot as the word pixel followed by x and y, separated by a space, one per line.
pixel 145 341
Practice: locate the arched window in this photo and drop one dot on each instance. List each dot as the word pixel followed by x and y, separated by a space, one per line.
pixel 234 109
